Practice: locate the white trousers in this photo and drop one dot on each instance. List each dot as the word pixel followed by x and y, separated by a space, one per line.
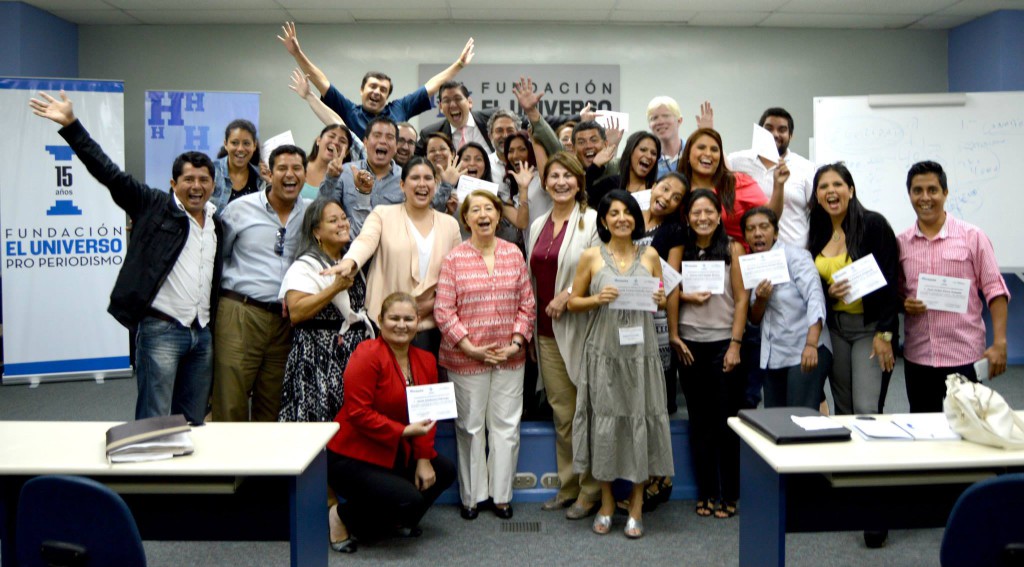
pixel 491 401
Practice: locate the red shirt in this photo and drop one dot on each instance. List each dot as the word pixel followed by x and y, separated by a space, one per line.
pixel 748 195
pixel 375 411
pixel 544 265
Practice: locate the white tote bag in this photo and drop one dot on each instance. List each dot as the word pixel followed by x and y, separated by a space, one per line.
pixel 981 415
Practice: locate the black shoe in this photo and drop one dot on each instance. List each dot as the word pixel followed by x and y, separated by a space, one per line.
pixel 503 513
pixel 404 532
pixel 469 513
pixel 875 538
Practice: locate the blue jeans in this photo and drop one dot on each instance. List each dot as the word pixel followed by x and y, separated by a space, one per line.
pixel 174 369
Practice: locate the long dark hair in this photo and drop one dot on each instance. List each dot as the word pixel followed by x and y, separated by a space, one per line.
pixel 722 179
pixel 626 161
pixel 310 222
pixel 486 176
pixel 247 126
pixel 719 247
pixel 821 223
pixel 316 143
pixel 510 168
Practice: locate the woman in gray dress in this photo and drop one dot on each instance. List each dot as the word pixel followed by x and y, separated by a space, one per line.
pixel 620 430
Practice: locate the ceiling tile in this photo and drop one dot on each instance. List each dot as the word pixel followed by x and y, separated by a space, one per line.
pixel 940 22
pixel 982 7
pixel 240 6
pixel 709 5
pixel 729 19
pixel 178 17
pixel 876 7
pixel 52 5
pixel 356 4
pixel 838 21
pixel 651 16
pixel 97 17
pixel 320 16
pixel 517 15
pixel 521 6
pixel 399 14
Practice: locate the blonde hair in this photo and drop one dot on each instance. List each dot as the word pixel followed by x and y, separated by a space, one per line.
pixel 666 101
pixel 393 298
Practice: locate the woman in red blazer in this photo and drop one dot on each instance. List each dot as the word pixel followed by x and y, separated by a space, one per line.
pixel 384 467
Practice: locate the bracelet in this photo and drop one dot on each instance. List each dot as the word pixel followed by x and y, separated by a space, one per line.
pixel 737 341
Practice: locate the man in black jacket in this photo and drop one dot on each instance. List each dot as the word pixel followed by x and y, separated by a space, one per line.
pixel 166 286
pixel 461 123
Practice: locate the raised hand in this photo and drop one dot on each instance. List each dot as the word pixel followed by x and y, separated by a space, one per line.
pixel 524 175
pixel 300 84
pixel 59 111
pixel 613 134
pixel 335 166
pixel 362 178
pixel 781 174
pixel 467 54
pixel 587 114
pixel 290 39
pixel 525 94
pixel 706 118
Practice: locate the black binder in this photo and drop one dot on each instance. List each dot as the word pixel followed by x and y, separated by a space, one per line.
pixel 777 424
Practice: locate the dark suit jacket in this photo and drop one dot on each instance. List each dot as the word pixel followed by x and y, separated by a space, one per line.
pixel 479 116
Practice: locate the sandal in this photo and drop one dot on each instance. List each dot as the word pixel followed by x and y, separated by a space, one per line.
pixel 705 508
pixel 725 510
pixel 658 491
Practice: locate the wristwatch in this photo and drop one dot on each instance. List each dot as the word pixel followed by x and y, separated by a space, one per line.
pixel 886 336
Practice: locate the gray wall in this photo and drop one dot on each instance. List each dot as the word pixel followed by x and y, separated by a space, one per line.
pixel 741 71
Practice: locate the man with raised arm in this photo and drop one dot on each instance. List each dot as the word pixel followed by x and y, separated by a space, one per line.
pixel 167 285
pixel 374 90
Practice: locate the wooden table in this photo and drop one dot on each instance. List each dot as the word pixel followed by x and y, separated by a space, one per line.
pixel 294 451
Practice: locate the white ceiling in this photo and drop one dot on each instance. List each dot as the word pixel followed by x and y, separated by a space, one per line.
pixel 848 14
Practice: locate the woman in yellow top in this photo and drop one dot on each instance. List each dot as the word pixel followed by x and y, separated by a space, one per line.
pixel 864 330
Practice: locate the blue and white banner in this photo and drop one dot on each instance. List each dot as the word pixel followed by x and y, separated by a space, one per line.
pixel 185 121
pixel 63 237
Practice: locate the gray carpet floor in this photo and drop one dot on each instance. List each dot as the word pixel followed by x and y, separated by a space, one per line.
pixel 675 535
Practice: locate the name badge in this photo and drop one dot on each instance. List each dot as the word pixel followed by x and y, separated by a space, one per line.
pixel 631 336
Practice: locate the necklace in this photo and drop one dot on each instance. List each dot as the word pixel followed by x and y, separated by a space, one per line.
pixel 836 236
pixel 622 262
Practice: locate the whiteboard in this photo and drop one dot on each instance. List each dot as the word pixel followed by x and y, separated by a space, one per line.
pixel 979 143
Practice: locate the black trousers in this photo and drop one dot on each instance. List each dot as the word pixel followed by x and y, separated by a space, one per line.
pixel 926 385
pixel 712 397
pixel 378 499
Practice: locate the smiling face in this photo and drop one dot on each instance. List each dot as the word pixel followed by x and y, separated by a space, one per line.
pixel 439 153
pixel 381 145
pixel 666 196
pixel 333 230
pixel 565 137
pixel 928 198
pixel 481 216
pixel 664 123
pixel 705 156
pixel 475 162
pixel 833 194
pixel 287 177
pixel 619 222
pixel 374 94
pixel 502 128
pixel 703 217
pixel 759 232
pixel 517 152
pixel 398 324
pixel 193 188
pixel 240 146
pixel 405 145
pixel 455 106
pixel 779 128
pixel 644 158
pixel 419 186
pixel 331 144
pixel 560 184
pixel 587 143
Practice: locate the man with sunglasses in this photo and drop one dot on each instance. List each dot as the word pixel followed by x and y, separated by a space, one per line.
pixel 253 335
pixel 166 288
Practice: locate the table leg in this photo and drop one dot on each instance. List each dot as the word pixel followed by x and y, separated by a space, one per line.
pixel 763 516
pixel 308 514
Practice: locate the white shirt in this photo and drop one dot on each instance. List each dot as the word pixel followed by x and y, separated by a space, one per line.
pixel 304 275
pixel 540 201
pixel 795 223
pixel 185 294
pixel 424 245
pixel 473 133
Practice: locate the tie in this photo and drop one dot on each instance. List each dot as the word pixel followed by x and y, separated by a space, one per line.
pixel 462 141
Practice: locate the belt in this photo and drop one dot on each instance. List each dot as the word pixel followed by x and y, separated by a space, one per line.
pixel 165 317
pixel 246 300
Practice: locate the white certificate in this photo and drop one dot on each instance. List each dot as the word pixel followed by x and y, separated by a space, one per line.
pixel 635 293
pixel 864 277
pixel 671 277
pixel 604 118
pixel 704 276
pixel 643 198
pixel 763 144
pixel 274 142
pixel 944 294
pixel 469 184
pixel 770 265
pixel 431 401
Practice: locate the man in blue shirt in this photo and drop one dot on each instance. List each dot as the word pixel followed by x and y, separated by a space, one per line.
pixel 375 89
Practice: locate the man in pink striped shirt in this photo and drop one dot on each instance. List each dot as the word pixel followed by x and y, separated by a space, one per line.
pixel 940 341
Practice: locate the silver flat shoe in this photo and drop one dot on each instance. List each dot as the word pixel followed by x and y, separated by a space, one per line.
pixel 581 509
pixel 602 524
pixel 634 528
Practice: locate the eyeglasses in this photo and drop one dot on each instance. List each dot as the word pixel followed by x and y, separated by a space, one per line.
pixel 279 245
